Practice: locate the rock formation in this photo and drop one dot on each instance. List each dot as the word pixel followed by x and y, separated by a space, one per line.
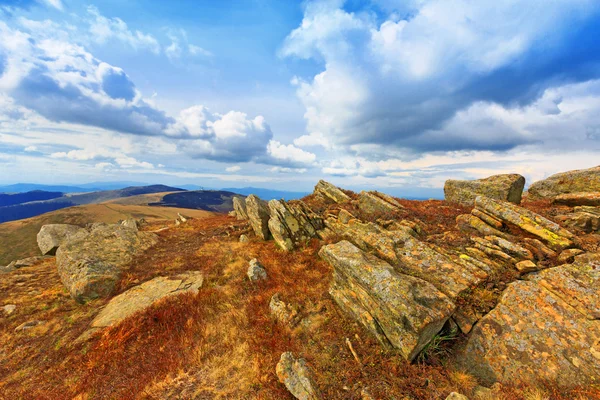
pixel 297 377
pixel 239 206
pixel 292 223
pixel 256 272
pixel 377 202
pixel 507 187
pixel 51 236
pixel 330 191
pixel 577 181
pixel 578 199
pixel 258 214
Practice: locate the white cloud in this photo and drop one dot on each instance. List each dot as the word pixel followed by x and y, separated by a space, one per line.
pixel 289 153
pixel 313 139
pixel 55 3
pixel 30 149
pixel 234 168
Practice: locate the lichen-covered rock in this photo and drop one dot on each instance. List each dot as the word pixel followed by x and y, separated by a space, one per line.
pixel 576 181
pixel 578 199
pixel 402 311
pixel 90 264
pixel 258 214
pixel 471 223
pixel 545 329
pixel 297 377
pixel 256 272
pixel 293 223
pixel 568 256
pixel 283 312
pixel 585 218
pixel 25 262
pixel 239 206
pixel 376 202
pixel 506 187
pixel 143 296
pixel 526 266
pixel 456 396
pixel 556 236
pixel 330 191
pixel 51 236
pixel 130 223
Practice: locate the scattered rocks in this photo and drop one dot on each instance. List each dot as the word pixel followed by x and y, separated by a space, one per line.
pixel 256 272
pixel 293 223
pixel 143 296
pixel 90 264
pixel 577 181
pixel 258 214
pixel 506 187
pixel 377 202
pixel 239 206
pixel 297 377
pixel 51 236
pixel 330 191
pixel 402 311
pixel 9 309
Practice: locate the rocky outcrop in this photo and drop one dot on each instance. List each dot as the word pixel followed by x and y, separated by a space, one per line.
pixel 258 214
pixel 377 203
pixel 292 224
pixel 544 329
pixel 577 181
pixel 330 191
pixel 90 263
pixel 256 272
pixel 143 296
pixel 51 236
pixel 506 187
pixel 402 311
pixel 239 206
pixel 578 199
pixel 130 223
pixel 297 377
pixel 585 218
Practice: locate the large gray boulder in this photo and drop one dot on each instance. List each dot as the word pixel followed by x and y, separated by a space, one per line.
pixel 576 181
pixel 90 264
pixel 506 187
pixel 258 214
pixel 402 311
pixel 51 236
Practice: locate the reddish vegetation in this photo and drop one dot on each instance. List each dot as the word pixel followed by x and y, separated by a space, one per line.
pixel 223 342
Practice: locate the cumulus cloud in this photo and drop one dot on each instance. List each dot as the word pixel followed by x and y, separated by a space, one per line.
pixel 407 82
pixel 289 154
pixel 181 47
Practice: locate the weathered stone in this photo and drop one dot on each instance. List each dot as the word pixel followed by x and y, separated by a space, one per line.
pixel 25 262
pixel 244 239
pixel 578 199
pixel 345 216
pixel 551 232
pixel 283 312
pixel 492 250
pixel 539 249
pixel 567 256
pixel 511 248
pixel 470 223
pixel 143 296
pixel 130 223
pixel 9 309
pixel 507 187
pixel 183 218
pixel 577 181
pixel 256 272
pixel 456 396
pixel 297 377
pixel 586 221
pixel 90 264
pixel 239 206
pixel 51 236
pixel 488 219
pixel 332 192
pixel 545 329
pixel 376 202
pixel 258 214
pixel 527 266
pixel 28 325
pixel 293 223
pixel 402 311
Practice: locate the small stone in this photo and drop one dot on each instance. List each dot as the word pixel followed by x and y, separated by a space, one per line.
pixel 297 377
pixel 244 239
pixel 130 223
pixel 456 396
pixel 527 266
pixel 9 308
pixel 256 272
pixel 28 325
pixel 567 256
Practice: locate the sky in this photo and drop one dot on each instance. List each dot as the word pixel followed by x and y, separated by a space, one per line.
pixel 398 95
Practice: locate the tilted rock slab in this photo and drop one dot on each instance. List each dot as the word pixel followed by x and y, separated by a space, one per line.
pixel 143 296
pixel 239 206
pixel 543 329
pixel 51 236
pixel 377 202
pixel 506 187
pixel 585 218
pixel 258 214
pixel 402 311
pixel 578 199
pixel 471 223
pixel 330 191
pixel 557 237
pixel 292 224
pixel 90 264
pixel 577 181
pixel 297 377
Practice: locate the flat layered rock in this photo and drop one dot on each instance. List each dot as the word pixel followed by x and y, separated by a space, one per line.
pixel 51 236
pixel 330 191
pixel 376 202
pixel 576 181
pixel 90 264
pixel 578 199
pixel 297 377
pixel 505 187
pixel 293 224
pixel 239 206
pixel 258 214
pixel 544 329
pixel 402 311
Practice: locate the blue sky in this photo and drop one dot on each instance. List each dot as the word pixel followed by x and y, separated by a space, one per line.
pixel 387 94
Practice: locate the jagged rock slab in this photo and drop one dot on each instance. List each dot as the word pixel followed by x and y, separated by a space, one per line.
pixel 297 377
pixel 402 311
pixel 143 296
pixel 557 238
pixel 330 191
pixel 90 264
pixel 51 236
pixel 506 187
pixel 578 199
pixel 239 206
pixel 130 223
pixel 376 202
pixel 258 214
pixel 543 329
pixel 576 181
pixel 471 223
pixel 292 224
pixel 256 272
pixel 588 220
